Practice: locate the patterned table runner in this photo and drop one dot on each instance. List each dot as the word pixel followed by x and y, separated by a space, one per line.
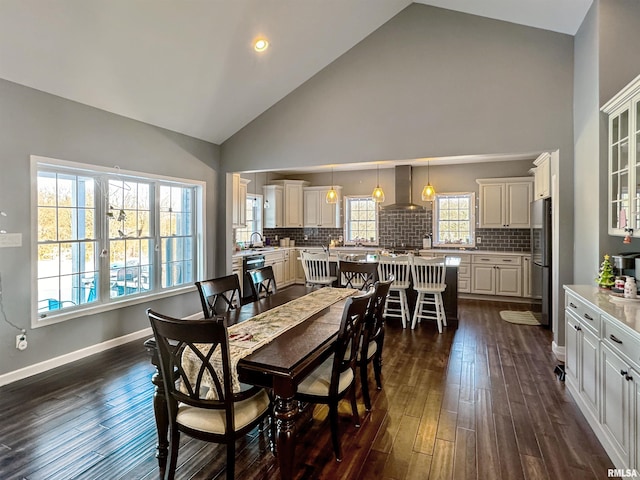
pixel 246 337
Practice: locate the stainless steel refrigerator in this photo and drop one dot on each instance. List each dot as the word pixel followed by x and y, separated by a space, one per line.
pixel 541 256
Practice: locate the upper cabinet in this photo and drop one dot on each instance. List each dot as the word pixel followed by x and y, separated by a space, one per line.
pixel 542 175
pixel 287 203
pixel 273 206
pixel 504 202
pixel 239 203
pixel 624 160
pixel 319 213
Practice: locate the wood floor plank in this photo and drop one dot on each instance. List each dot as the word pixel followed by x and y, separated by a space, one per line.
pixel 477 402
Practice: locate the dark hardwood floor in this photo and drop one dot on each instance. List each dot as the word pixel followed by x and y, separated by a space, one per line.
pixel 479 402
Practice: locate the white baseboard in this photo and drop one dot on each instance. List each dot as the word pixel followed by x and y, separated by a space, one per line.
pixel 71 357
pixel 558 351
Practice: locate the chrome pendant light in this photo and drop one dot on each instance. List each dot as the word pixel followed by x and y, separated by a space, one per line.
pixel 428 192
pixel 378 194
pixel 332 195
pixel 266 200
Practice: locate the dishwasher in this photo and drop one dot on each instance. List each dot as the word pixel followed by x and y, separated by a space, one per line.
pixel 249 262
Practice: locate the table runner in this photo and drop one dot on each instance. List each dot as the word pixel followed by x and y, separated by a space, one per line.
pixel 246 337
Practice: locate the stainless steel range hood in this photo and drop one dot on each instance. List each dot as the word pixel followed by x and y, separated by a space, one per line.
pixel 403 191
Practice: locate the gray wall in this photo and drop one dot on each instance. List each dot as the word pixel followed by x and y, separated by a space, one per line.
pixel 36 123
pixel 430 82
pixel 587 170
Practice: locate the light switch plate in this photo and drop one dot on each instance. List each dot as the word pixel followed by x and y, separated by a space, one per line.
pixel 10 240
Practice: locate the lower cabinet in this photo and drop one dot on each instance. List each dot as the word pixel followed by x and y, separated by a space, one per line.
pixel 602 368
pixel 496 275
pixel 618 385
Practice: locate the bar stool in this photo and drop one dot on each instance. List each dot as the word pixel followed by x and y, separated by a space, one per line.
pixel 428 281
pixel 396 304
pixel 316 269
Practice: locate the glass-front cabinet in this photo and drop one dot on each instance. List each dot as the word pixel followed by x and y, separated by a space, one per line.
pixel 624 160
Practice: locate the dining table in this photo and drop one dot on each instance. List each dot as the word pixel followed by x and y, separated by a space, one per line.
pixel 279 365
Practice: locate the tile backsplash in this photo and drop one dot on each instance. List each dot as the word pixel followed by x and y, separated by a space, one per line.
pixel 406 229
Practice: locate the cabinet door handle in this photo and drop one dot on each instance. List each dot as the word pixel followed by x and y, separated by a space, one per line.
pixel 615 339
pixel 572 305
pixel 623 372
pixel 577 328
pixel 588 317
pixel 628 377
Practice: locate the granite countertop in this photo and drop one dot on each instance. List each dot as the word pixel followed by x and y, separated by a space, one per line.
pixel 627 311
pixel 449 251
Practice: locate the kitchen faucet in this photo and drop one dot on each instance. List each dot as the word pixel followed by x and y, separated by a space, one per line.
pixel 251 238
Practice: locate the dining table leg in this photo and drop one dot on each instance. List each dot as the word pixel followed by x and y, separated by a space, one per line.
pixel 286 412
pixel 159 408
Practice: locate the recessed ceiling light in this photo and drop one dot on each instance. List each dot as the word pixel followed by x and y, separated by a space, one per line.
pixel 261 45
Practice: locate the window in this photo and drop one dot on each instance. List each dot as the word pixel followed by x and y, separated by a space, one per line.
pixel 361 220
pixel 253 219
pixel 453 219
pixel 105 236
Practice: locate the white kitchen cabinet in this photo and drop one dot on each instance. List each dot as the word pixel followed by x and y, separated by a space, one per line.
pixel 581 361
pixel 319 213
pixel 542 176
pixel 602 369
pixel 496 275
pixel 289 204
pixel 239 203
pixel 274 213
pixel 616 396
pixel 288 270
pixel 624 159
pixel 464 273
pixel 275 259
pixel 504 202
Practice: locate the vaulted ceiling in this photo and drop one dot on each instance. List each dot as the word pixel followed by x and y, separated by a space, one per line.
pixel 190 66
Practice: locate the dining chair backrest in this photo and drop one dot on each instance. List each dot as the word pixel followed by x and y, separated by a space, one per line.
pixel 359 275
pixel 399 267
pixel 205 338
pixel 263 282
pixel 428 273
pixel 347 344
pixel 219 295
pixel 374 320
pixel 316 266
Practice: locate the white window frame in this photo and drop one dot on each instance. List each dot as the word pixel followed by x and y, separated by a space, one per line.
pixel 242 234
pixel 347 218
pixel 472 220
pixel 106 303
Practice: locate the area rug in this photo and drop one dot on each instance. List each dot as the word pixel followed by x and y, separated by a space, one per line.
pixel 520 318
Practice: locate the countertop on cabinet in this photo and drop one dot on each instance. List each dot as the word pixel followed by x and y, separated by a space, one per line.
pixel 452 251
pixel 258 251
pixel 626 311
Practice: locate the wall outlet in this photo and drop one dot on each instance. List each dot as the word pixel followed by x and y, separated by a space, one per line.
pixel 21 341
pixel 478 239
pixel 306 237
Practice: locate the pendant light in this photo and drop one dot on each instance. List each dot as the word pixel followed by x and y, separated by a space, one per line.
pixel 378 194
pixel 428 192
pixel 332 195
pixel 255 190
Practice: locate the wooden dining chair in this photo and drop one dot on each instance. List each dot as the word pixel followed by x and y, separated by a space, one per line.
pixel 219 295
pixel 358 275
pixel 334 378
pixel 202 403
pixel 316 268
pixel 429 281
pixel 263 282
pixel 373 339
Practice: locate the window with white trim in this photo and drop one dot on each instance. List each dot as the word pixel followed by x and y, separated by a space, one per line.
pixel 105 236
pixel 253 220
pixel 360 221
pixel 454 220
